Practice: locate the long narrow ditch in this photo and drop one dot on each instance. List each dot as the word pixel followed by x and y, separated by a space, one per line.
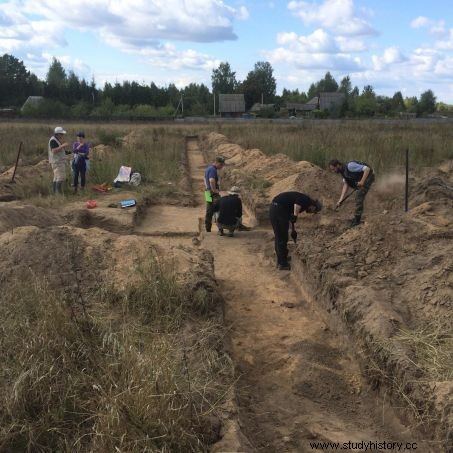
pixel 298 380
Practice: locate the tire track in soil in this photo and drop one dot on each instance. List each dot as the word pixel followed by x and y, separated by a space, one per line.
pixel 298 382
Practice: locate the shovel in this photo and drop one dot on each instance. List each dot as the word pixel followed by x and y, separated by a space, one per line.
pixel 345 198
pixel 293 233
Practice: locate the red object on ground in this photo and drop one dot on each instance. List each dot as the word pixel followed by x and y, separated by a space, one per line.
pixel 91 204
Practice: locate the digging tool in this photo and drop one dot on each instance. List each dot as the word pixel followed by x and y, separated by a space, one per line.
pixel 293 233
pixel 345 198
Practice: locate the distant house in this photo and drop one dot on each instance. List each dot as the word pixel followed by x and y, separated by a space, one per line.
pixel 407 115
pixel 32 101
pixel 231 105
pixel 331 101
pixel 258 107
pixel 294 107
pixel 7 113
pixel 325 101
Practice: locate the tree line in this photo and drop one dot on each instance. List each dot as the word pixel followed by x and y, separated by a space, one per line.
pixel 67 95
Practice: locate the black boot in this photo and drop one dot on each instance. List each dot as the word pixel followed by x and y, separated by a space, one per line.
pixel 356 220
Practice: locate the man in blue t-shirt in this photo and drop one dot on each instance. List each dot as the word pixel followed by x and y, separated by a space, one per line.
pixel 211 181
pixel 357 175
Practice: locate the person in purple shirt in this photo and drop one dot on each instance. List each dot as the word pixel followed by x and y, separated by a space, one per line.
pixel 81 150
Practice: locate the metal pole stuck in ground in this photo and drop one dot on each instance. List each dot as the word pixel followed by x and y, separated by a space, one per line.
pixel 406 195
pixel 17 161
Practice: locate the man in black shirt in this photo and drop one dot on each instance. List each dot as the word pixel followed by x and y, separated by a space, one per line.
pixel 229 211
pixel 285 208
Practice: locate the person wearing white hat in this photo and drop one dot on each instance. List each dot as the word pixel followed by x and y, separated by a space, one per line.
pixel 57 158
pixel 228 210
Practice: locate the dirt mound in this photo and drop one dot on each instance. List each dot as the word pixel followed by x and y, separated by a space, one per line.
pixel 134 138
pixel 25 175
pixel 101 153
pixel 14 215
pixel 265 176
pixel 389 280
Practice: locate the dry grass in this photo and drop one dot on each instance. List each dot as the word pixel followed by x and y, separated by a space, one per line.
pixel 117 371
pixel 156 156
pixel 382 145
pixel 432 348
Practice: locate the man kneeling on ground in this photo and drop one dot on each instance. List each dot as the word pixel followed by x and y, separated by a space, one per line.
pixel 284 209
pixel 229 212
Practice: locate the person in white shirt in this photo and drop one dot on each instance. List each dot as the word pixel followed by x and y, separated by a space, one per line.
pixel 57 158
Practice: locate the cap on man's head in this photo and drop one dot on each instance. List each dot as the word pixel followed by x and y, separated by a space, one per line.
pixel 80 134
pixel 220 159
pixel 59 130
pixel 234 190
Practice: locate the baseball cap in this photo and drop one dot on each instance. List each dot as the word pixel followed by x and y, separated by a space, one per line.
pixel 80 134
pixel 220 159
pixel 59 130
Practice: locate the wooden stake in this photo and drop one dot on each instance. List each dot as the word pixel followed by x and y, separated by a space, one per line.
pixel 17 161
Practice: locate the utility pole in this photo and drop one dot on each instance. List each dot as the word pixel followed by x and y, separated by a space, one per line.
pixel 214 101
pixel 182 105
pixel 262 98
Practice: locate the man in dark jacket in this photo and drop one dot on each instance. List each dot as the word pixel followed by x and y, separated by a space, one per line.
pixel 212 189
pixel 229 212
pixel 285 208
pixel 357 175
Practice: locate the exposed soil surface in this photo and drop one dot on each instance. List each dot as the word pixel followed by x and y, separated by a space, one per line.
pixel 298 382
pixel 388 281
pixel 300 374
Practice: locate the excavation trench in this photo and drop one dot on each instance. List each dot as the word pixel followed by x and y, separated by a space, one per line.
pixel 298 379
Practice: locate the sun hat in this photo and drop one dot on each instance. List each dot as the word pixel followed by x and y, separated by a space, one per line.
pixel 234 190
pixel 59 130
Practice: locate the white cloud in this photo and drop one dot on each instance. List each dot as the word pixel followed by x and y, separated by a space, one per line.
pixel 17 32
pixel 144 22
pixel 40 64
pixel 391 56
pixel 447 43
pixel 339 16
pixel 419 22
pixel 139 27
pixel 435 27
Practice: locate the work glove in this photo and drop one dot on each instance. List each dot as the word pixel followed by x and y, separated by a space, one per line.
pixel 293 218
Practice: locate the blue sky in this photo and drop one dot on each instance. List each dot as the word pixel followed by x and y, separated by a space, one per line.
pixel 393 45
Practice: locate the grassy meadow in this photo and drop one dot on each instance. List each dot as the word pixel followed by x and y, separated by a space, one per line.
pixel 381 145
pixel 157 151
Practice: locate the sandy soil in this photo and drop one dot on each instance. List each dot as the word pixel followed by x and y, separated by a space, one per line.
pixel 297 379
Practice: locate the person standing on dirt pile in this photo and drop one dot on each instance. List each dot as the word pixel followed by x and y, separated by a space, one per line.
pixel 284 209
pixel 229 212
pixel 212 193
pixel 57 158
pixel 357 175
pixel 81 149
